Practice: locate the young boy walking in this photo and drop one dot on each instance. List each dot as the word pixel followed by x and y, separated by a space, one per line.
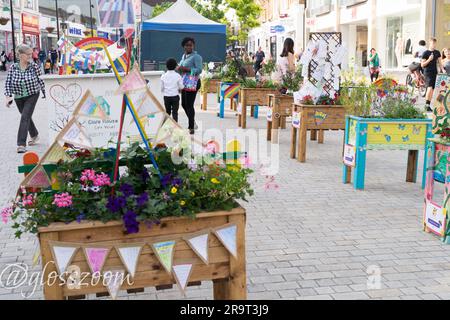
pixel 171 86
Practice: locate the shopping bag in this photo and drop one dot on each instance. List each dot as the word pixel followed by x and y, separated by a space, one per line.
pixel 190 82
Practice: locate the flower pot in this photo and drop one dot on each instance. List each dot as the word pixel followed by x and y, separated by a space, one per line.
pixel 227 272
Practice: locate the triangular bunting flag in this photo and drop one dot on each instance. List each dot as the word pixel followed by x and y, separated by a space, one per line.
pixel 73 134
pixel 96 258
pixel 182 273
pixel 55 154
pixel 199 244
pixel 153 123
pixel 133 81
pixel 115 52
pixel 89 107
pixel 147 107
pixel 37 178
pixel 166 130
pixel 129 256
pixel 113 280
pixel 63 255
pixel 164 252
pixel 227 235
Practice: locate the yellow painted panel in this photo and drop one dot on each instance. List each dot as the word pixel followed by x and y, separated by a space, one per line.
pixel 396 133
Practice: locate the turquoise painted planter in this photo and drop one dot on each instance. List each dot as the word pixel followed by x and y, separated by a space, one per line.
pixel 384 134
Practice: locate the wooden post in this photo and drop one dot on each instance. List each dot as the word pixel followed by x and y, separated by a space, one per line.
pixel 283 122
pixel 411 169
pixel 321 136
pixel 269 129
pixel 252 111
pixel 293 141
pixel 301 149
pixel 55 291
pixel 275 126
pixel 221 289
pixel 313 134
pixel 204 100
pixel 244 110
pixel 238 277
pixel 361 152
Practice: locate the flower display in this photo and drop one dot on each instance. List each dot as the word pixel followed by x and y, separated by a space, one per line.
pixel 63 200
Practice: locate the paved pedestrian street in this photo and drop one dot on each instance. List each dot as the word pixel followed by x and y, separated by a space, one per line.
pixel 314 238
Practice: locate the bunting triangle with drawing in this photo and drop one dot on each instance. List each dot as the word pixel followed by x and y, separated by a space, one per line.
pixel 37 178
pixel 199 244
pixel 55 153
pixel 63 255
pixel 164 252
pixel 129 256
pixel 74 134
pixel 133 81
pixel 227 235
pixel 96 258
pixel 89 107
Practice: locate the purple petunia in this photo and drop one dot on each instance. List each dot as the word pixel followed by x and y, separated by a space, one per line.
pixel 142 199
pixel 145 176
pixel 80 217
pixel 177 182
pixel 131 224
pixel 166 180
pixel 126 189
pixel 113 204
pixel 122 202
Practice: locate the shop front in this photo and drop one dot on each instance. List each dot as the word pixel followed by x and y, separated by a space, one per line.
pixel 30 30
pixel 5 35
pixel 75 32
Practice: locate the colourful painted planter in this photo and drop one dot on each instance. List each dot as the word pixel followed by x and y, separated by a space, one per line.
pixel 435 213
pixel 386 134
pixel 227 90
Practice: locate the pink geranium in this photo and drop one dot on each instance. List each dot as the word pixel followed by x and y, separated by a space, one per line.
pixel 27 200
pixel 62 200
pixel 101 180
pixel 6 213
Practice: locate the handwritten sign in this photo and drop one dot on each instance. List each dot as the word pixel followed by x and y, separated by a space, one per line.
pixel 96 258
pixel 350 155
pixel 435 218
pixel 164 251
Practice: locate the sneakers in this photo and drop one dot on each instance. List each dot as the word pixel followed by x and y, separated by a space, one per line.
pixel 33 141
pixel 191 131
pixel 21 149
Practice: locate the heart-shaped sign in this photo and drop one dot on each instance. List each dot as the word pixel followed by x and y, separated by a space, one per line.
pixel 66 97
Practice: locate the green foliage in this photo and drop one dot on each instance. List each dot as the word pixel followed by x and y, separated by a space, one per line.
pixel 358 100
pixel 160 8
pixel 269 67
pixel 395 108
pixel 292 81
pixel 250 83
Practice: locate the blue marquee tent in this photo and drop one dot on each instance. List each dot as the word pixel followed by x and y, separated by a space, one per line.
pixel 161 36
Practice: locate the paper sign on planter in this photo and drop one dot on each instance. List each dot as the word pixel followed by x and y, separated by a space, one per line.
pixel 164 252
pixel 182 273
pixel 113 280
pixel 96 258
pixel 63 255
pixel 350 155
pixel 89 107
pixel 269 115
pixel 296 120
pixel 129 255
pixel 227 235
pixel 435 218
pixel 199 244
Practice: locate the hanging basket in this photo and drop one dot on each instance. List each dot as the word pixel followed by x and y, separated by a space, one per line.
pixel 3 21
pixel 50 29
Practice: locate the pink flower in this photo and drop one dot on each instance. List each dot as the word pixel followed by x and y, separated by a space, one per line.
pixel 87 175
pixel 63 200
pixel 101 179
pixel 6 213
pixel 27 200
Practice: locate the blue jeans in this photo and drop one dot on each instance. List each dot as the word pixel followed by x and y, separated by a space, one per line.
pixel 26 107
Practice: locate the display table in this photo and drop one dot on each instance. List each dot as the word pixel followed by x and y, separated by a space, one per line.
pixel 280 107
pixel 365 134
pixel 211 87
pixel 253 97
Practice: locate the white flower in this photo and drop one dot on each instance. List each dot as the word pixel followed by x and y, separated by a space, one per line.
pixel 85 188
pixel 95 189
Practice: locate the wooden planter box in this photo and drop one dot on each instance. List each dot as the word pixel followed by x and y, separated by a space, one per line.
pixel 253 97
pixel 386 134
pixel 280 107
pixel 313 118
pixel 227 273
pixel 212 87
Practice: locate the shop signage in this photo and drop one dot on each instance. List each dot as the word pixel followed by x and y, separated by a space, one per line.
pixel 102 34
pixel 76 30
pixel 277 28
pixel 30 23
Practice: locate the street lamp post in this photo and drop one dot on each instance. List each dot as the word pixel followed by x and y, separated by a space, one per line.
pixel 12 30
pixel 57 19
pixel 90 12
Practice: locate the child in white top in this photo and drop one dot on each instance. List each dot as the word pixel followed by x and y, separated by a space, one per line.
pixel 171 86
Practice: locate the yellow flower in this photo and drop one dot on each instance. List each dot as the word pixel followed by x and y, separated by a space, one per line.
pixel 215 181
pixel 193 194
pixel 182 202
pixel 174 190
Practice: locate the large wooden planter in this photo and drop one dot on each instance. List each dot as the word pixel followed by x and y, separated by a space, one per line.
pixel 212 87
pixel 250 70
pixel 315 119
pixel 227 273
pixel 386 134
pixel 280 107
pixel 253 97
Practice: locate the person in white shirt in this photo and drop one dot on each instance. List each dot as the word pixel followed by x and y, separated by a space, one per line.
pixel 171 86
pixel 420 50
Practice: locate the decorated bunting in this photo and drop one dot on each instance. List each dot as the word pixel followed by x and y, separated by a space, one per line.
pixel 164 252
pixel 166 130
pixel 113 280
pixel 37 178
pixel 199 244
pixel 133 81
pixel 73 134
pixel 227 235
pixel 129 255
pixel 55 154
pixel 96 258
pixel 88 106
pixel 182 273
pixel 62 254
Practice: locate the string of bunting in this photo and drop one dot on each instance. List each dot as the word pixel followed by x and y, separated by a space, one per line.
pixel 96 255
